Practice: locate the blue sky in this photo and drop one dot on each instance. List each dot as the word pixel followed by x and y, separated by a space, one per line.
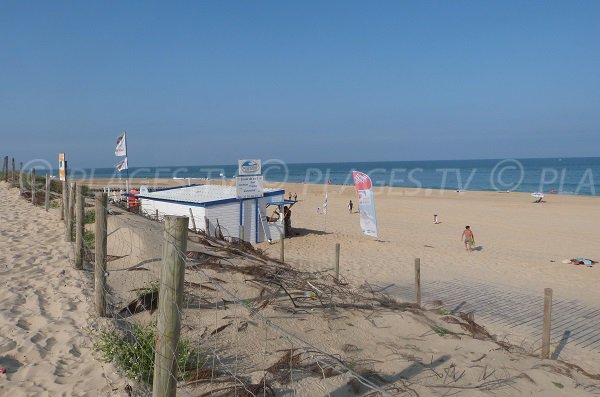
pixel 197 83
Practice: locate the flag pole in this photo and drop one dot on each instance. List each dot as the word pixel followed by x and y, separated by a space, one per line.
pixel 127 169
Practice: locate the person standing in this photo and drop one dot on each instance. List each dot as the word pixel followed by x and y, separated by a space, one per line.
pixel 295 196
pixel 287 221
pixel 468 238
pixel 350 206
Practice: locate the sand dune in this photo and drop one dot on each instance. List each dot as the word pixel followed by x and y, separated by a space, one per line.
pixel 44 310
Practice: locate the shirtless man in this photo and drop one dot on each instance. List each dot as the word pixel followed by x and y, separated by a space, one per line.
pixel 468 238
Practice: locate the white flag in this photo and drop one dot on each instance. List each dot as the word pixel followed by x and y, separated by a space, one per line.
pixel 121 165
pixel 325 204
pixel 121 149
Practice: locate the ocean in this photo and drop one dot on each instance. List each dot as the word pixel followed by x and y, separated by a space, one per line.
pixel 575 176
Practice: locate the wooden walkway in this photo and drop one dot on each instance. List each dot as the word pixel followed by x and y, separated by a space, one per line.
pixel 513 311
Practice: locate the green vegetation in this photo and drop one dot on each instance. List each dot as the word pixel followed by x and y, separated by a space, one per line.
pixel 90 217
pixel 134 355
pixel 89 239
pixel 152 287
pixel 441 331
pixel 559 385
pixel 443 311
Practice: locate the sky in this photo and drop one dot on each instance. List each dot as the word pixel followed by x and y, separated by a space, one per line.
pixel 210 82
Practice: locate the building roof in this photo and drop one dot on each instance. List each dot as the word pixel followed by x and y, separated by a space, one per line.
pixel 200 195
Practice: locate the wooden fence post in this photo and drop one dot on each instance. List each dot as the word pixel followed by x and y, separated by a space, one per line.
pixel 33 186
pixel 418 280
pixel 100 254
pixel 337 262
pixel 156 215
pixel 80 224
pixel 547 322
pixel 193 220
pixel 13 172
pixel 62 200
pixel 66 197
pixel 47 195
pixel 172 273
pixel 71 209
pixel 207 226
pixel 5 168
pixel 21 187
pixel 72 190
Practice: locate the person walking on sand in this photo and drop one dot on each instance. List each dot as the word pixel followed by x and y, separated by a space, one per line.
pixel 350 206
pixel 468 238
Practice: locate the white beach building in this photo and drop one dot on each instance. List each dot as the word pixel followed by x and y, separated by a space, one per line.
pixel 217 207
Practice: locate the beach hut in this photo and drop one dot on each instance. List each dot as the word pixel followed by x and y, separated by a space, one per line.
pixel 217 207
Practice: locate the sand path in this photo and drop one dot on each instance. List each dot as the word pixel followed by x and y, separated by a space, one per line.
pixel 43 312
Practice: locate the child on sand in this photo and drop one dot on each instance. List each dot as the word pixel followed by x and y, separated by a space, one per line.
pixel 468 238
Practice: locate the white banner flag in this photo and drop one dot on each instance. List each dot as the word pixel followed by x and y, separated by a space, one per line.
pixel 121 149
pixel 121 165
pixel 366 203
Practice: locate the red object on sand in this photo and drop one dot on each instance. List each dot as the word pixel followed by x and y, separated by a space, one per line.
pixel 2 370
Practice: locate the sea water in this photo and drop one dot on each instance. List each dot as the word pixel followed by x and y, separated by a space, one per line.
pixel 578 176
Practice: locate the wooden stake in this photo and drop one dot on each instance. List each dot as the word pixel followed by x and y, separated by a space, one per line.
pixel 21 178
pixel 193 221
pixel 547 322
pixel 5 168
pixel 169 306
pixel 66 196
pixel 156 215
pixel 72 189
pixel 13 172
pixel 47 195
pixel 32 186
pixel 337 262
pixel 418 280
pixel 100 254
pixel 62 201
pixel 79 216
pixel 207 226
pixel 71 214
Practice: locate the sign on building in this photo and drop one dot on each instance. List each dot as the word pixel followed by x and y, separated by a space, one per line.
pixel 250 186
pixel 249 167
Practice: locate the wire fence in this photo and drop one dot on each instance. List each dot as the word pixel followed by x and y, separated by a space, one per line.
pixel 233 342
pixel 219 317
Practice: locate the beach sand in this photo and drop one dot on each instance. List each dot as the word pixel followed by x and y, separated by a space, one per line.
pixel 45 309
pixel 45 313
pixel 520 245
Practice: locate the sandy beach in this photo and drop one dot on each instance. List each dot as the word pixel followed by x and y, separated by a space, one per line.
pixel 520 246
pixel 45 309
pixel 518 242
